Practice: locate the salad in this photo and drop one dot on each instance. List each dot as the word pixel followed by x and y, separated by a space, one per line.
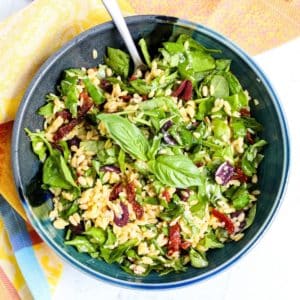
pixel 153 169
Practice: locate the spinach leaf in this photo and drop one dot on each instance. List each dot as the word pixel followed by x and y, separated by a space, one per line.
pixel 117 253
pixel 223 64
pixel 204 107
pixel 65 149
pixel 39 143
pixel 70 90
pixel 210 241
pixel 238 128
pixel 118 60
pixel 241 197
pixel 121 161
pixel 154 147
pixel 251 123
pixel 198 260
pixel 250 216
pixel 56 172
pixel 46 110
pixel 82 244
pixel 94 91
pixel 175 170
pixel 221 129
pixel 219 87
pixel 174 48
pixel 199 61
pixel 140 86
pixel 96 235
pixel 144 48
pixel 126 135
pixel 199 208
pixel 234 84
pixel 237 101
pixel 249 157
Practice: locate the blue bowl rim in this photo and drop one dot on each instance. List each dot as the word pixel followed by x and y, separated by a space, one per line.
pixel 189 25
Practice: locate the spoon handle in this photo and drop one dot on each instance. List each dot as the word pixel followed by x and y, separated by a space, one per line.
pixel 116 15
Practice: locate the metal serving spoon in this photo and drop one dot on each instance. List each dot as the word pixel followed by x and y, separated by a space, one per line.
pixel 116 15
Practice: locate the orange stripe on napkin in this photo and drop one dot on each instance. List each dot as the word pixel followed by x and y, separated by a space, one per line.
pixel 7 187
pixel 255 25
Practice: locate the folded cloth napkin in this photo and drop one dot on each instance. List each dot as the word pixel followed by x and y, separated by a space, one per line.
pixel 26 41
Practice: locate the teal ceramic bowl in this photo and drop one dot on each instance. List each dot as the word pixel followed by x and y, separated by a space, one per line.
pixel 273 171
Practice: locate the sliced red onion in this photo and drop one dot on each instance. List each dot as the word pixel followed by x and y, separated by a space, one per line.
pixel 224 173
pixel 169 139
pixel 123 220
pixel 166 126
pixel 110 168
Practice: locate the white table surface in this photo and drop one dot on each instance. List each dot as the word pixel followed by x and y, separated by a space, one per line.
pixel 271 269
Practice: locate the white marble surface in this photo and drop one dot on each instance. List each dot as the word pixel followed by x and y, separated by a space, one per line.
pixel 271 269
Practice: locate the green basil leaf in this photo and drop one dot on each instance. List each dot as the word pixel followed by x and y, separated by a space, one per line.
pixel 82 244
pixel 118 60
pixel 140 86
pixel 219 87
pixel 198 260
pixel 46 110
pixel 240 198
pixel 250 216
pixel 94 91
pixel 121 161
pixel 126 135
pixel 39 144
pixel 175 170
pixel 96 234
pixel 234 84
pixel 56 172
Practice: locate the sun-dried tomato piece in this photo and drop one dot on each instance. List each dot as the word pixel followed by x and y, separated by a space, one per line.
pixel 144 97
pixel 245 112
pixel 85 107
pixel 65 114
pixel 188 91
pixel 133 77
pixel 123 220
pixel 137 207
pixel 239 175
pixel 174 239
pixel 65 129
pixel 84 95
pixel 180 89
pixel 116 190
pixel 184 91
pixel 224 219
pixel 249 138
pixel 126 97
pixel 166 195
pixel 185 245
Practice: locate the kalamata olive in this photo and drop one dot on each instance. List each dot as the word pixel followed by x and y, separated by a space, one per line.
pixel 224 173
pixel 183 194
pixel 166 126
pixel 123 220
pixel 75 141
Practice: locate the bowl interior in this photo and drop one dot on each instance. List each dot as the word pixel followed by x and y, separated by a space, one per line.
pixel 78 53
